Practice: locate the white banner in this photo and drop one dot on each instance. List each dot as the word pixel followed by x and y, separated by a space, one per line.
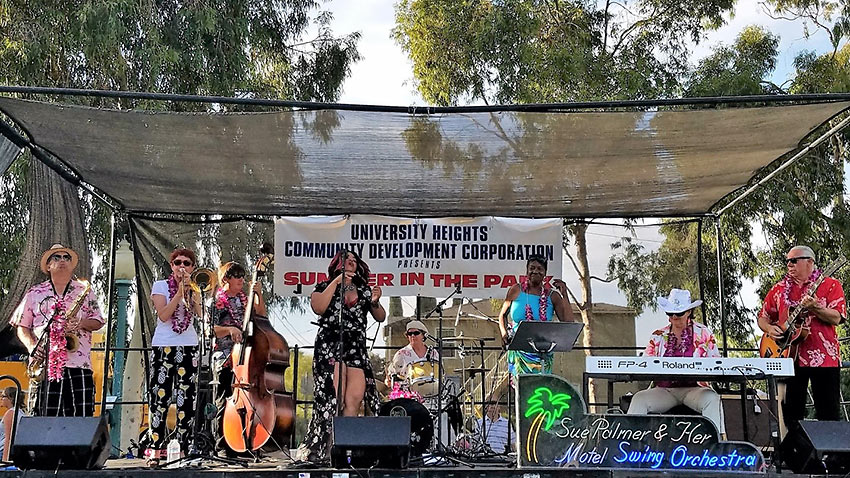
pixel 408 257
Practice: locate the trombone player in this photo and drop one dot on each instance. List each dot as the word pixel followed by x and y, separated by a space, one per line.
pixel 60 360
pixel 174 354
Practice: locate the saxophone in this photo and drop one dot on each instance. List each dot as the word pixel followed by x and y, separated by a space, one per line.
pixel 72 338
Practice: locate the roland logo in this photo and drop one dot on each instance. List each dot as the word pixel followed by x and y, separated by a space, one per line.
pixel 679 365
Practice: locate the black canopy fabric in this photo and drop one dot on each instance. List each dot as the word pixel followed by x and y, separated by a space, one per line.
pixel 8 152
pixel 519 164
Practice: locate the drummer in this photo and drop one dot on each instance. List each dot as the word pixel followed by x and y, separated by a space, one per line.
pixel 415 351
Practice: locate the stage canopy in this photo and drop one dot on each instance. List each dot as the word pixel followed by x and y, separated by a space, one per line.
pixel 662 163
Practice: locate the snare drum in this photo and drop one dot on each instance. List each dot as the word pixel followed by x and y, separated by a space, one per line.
pixel 422 377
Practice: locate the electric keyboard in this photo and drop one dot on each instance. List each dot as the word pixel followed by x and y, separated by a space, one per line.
pixel 708 367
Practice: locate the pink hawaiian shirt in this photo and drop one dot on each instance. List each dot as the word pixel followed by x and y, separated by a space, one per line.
pixel 38 307
pixel 820 348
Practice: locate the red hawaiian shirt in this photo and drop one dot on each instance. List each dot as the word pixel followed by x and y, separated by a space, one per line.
pixel 820 348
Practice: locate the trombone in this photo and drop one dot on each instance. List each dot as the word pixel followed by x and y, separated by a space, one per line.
pixel 203 280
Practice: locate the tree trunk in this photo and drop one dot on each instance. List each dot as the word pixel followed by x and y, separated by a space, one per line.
pixel 55 216
pixel 580 233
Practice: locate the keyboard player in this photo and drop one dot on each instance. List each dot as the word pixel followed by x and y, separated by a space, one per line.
pixel 684 337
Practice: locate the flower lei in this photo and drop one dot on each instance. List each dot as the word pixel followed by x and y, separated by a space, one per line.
pixel 677 348
pixel 788 282
pixel 181 318
pixel 545 290
pixel 57 355
pixel 222 301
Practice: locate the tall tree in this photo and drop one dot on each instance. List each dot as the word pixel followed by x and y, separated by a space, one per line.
pixel 803 205
pixel 737 69
pixel 252 48
pixel 524 51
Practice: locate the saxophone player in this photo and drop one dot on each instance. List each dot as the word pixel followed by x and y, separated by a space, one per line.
pixel 66 387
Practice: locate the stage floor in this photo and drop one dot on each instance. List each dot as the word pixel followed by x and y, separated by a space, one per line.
pixel 128 468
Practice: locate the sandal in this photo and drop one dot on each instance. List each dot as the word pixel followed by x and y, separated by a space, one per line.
pixel 153 457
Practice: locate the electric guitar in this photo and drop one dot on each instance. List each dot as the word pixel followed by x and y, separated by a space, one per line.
pixel 794 328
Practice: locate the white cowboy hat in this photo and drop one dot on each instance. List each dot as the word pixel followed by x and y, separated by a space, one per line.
pixel 55 249
pixel 678 301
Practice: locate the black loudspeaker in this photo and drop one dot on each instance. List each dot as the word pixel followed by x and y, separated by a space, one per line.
pixel 758 422
pixel 47 443
pixel 364 442
pixel 817 447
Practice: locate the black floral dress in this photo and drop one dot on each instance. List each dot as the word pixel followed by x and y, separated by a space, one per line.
pixel 354 354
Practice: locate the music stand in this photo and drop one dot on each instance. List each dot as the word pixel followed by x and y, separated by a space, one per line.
pixel 545 337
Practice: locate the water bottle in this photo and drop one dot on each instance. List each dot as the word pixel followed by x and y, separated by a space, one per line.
pixel 173 450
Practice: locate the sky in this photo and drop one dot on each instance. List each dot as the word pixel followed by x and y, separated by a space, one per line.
pixel 384 76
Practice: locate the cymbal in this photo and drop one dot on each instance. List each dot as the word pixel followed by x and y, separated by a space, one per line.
pixel 468 338
pixel 472 369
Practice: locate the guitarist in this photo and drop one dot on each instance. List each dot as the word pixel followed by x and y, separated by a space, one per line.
pixel 817 355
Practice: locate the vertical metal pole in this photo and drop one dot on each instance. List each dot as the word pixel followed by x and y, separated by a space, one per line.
pixel 720 283
pixel 700 274
pixel 110 307
pixel 295 378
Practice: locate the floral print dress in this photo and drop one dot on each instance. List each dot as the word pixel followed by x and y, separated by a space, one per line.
pixel 325 355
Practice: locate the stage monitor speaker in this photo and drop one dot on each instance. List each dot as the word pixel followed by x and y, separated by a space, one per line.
pixel 48 443
pixel 818 447
pixel 364 442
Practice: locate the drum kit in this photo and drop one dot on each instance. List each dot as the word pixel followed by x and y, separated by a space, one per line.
pixel 434 404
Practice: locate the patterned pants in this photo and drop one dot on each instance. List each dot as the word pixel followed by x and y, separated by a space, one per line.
pixel 173 371
pixel 73 396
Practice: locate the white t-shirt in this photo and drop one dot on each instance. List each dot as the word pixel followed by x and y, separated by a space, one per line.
pixel 164 336
pixel 405 356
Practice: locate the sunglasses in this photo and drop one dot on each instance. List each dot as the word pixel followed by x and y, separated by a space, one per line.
pixel 793 260
pixel 235 276
pixel 676 314
pixel 60 257
pixel 414 333
pixel 178 262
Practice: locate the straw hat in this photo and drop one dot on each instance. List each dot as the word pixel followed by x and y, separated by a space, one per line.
pixel 58 248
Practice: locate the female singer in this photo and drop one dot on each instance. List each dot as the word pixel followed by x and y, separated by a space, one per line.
pixel 532 299
pixel 228 314
pixel 174 354
pixel 341 358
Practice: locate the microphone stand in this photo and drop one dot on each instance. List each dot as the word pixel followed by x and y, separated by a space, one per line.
pixel 205 343
pixel 440 446
pixel 42 380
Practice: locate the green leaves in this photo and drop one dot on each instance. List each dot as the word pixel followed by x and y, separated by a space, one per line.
pixel 544 402
pixel 521 51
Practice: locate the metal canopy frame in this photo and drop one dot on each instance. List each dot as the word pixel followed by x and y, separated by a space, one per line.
pixel 67 173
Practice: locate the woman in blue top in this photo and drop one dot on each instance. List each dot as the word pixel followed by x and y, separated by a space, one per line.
pixel 533 299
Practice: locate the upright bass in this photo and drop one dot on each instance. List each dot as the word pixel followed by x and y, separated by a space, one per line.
pixel 260 408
